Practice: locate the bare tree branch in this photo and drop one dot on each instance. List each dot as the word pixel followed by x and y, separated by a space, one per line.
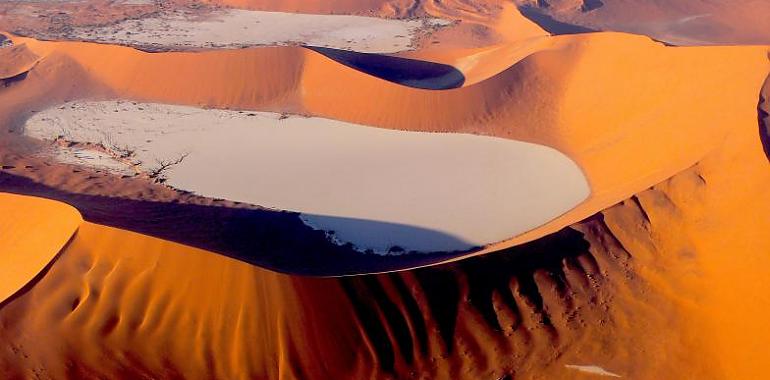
pixel 159 172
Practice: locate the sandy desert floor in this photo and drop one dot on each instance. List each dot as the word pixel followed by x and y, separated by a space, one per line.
pixel 384 189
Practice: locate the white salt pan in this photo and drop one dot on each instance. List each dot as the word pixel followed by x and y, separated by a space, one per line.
pixel 373 187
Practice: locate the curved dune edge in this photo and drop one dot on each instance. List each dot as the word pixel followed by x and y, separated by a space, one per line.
pixel 378 189
pixel 32 232
pixel 658 278
pixel 15 60
pixel 562 97
pixel 518 37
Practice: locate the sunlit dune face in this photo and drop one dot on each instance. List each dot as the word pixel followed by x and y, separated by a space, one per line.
pixel 32 232
pixel 381 190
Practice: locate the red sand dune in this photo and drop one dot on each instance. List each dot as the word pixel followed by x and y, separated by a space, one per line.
pixel 660 274
pixel 34 230
pixel 563 96
pixel 16 60
pixel 644 289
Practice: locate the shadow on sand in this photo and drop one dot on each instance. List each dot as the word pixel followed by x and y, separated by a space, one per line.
pixel 550 24
pixel 482 283
pixel 763 117
pixel 408 72
pixel 8 82
pixel 275 240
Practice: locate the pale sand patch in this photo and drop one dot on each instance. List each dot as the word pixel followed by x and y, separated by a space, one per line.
pixel 234 28
pixel 592 369
pixel 375 188
pixel 90 157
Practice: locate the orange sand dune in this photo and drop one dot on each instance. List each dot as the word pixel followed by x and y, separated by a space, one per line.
pixel 15 60
pixel 507 37
pixel 121 305
pixel 681 22
pixel 667 283
pixel 567 97
pixel 650 288
pixel 32 232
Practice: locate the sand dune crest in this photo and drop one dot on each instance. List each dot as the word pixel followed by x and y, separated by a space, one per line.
pixel 32 232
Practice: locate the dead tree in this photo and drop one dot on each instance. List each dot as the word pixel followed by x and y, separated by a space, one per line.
pixel 159 172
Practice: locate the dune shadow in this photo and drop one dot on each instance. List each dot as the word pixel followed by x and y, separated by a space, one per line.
pixel 275 240
pixel 590 5
pixel 408 72
pixel 8 82
pixel 39 276
pixel 551 25
pixel 390 236
pixel 482 283
pixel 763 117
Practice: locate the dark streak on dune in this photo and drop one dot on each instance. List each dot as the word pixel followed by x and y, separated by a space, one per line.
pixel 485 317
pixel 408 72
pixel 515 281
pixel 275 240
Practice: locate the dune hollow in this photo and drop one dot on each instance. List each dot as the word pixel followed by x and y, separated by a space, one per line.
pixel 381 190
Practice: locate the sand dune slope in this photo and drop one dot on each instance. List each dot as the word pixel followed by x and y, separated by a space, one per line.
pixel 15 60
pixel 150 308
pixel 711 219
pixel 682 22
pixel 32 232
pixel 644 290
pixel 660 274
pixel 649 288
pixel 567 97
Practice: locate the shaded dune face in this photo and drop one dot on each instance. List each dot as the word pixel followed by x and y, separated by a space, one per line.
pixel 597 293
pixel 125 293
pixel 550 24
pixel 408 72
pixel 763 116
pixel 278 241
